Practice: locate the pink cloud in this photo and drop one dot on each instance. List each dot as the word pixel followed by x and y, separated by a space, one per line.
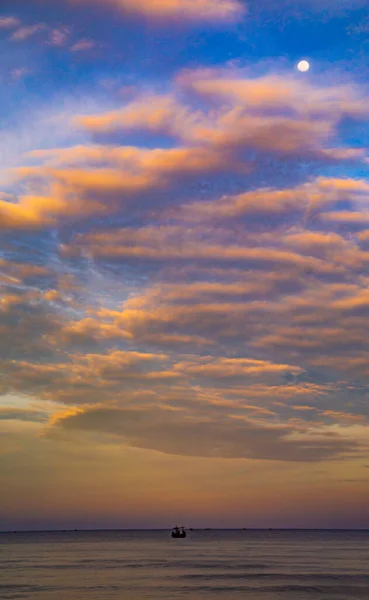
pixel 83 46
pixel 18 74
pixel 59 37
pixel 23 33
pixel 9 22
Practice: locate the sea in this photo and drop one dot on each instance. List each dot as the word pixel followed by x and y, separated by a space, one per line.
pixel 207 565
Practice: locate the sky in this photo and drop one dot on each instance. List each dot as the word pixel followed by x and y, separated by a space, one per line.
pixel 184 264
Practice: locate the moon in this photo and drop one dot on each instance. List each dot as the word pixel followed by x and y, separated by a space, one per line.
pixel 303 66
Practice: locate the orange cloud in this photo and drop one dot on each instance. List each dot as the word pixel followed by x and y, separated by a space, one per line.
pixel 307 200
pixel 153 113
pixel 363 236
pixel 345 185
pixel 189 10
pixel 74 192
pixel 347 217
pixel 233 368
pixel 331 247
pixel 167 243
pixel 30 212
pixel 250 113
pixel 86 330
pixel 258 202
pixel 139 167
pixel 226 129
pixel 343 417
pixel 100 179
pixel 86 378
pixel 20 271
pixel 275 92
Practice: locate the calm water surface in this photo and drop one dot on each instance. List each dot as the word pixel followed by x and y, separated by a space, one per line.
pixel 259 565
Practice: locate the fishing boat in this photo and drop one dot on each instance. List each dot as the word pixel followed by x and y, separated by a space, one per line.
pixel 179 532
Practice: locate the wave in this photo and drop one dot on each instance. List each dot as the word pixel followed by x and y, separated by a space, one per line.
pixel 278 576
pixel 122 563
pixel 329 590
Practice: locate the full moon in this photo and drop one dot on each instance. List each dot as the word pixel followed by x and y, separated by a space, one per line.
pixel 303 66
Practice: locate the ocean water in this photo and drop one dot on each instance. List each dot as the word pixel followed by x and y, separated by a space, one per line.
pixel 219 565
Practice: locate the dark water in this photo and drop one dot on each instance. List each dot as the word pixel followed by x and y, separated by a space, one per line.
pixel 259 565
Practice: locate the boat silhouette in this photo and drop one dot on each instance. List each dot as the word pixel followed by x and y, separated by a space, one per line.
pixel 179 532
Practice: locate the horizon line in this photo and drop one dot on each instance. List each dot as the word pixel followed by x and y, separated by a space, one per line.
pixel 82 530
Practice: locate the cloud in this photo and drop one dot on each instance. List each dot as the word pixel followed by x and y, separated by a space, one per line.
pixel 30 212
pixel 307 200
pixel 217 288
pixel 274 91
pixel 232 137
pixel 164 431
pixel 85 378
pixel 9 22
pixel 180 244
pixel 270 116
pixel 20 414
pixel 59 37
pixel 23 33
pixel 184 264
pixel 20 73
pixel 77 192
pixel 226 368
pixel 19 272
pixel 354 218
pixel 25 323
pixel 188 10
pixel 309 323
pixel 230 129
pixel 160 114
pixel 83 46
pixel 343 417
pixel 88 330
